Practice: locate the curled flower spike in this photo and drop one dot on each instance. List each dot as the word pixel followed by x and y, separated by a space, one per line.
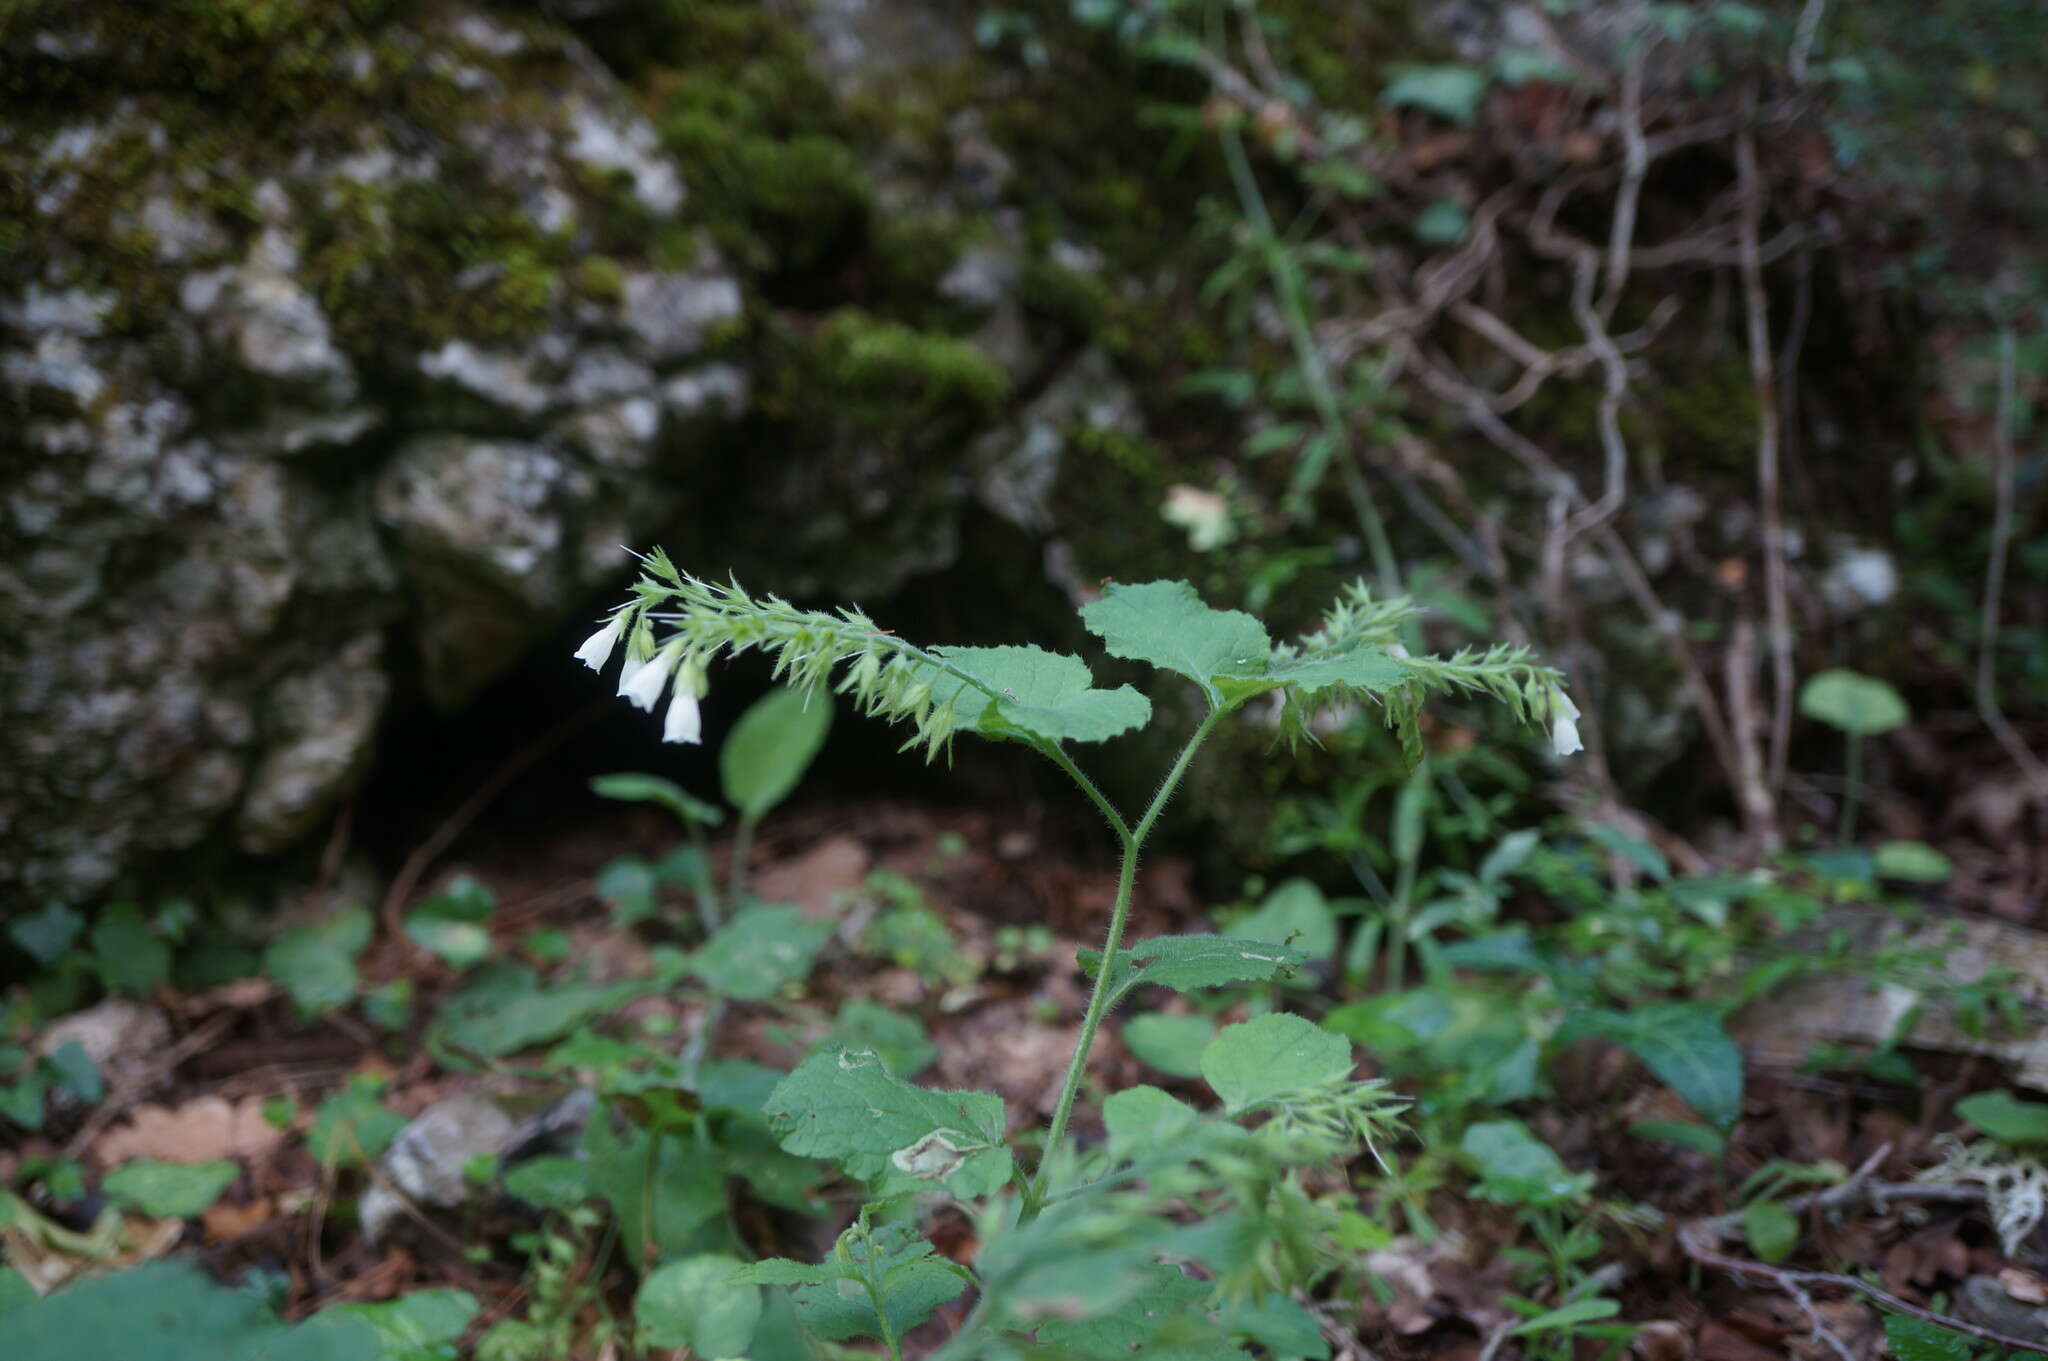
pixel 685 721
pixel 597 648
pixel 643 686
pixel 1564 725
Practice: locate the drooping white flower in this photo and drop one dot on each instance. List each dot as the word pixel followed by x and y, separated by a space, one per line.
pixel 597 648
pixel 1564 725
pixel 645 684
pixel 685 721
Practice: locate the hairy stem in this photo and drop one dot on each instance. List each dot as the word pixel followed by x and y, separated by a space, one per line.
pixel 1098 999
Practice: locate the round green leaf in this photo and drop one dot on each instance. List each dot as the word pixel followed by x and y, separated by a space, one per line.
pixel 1863 706
pixel 1772 1230
pixel 695 1303
pixel 1271 1056
pixel 2006 1119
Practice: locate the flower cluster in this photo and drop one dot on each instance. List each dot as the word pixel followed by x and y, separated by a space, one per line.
pixel 643 680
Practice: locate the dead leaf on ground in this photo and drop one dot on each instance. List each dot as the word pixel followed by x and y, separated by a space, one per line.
pixel 225 1221
pixel 202 1130
pixel 815 879
pixel 1718 1342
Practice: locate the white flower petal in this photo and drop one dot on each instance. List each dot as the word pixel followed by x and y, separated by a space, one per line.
pixel 685 723
pixel 650 680
pixel 597 648
pixel 1564 737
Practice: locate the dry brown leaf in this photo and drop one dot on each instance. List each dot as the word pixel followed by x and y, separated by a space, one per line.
pixel 226 1221
pixel 202 1130
pixel 815 879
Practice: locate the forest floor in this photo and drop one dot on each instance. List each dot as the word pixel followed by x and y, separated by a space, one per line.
pixel 967 921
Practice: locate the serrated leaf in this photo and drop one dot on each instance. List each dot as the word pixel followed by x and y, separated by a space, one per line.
pixel 1167 624
pixel 1683 1043
pixel 1284 1328
pixel 1045 694
pixel 1273 1056
pixel 1365 667
pixel 848 1106
pixel 685 1192
pixel 635 788
pixel 1186 963
pixel 696 1303
pixel 762 948
pixel 316 964
pixel 1772 1230
pixel 771 747
pixel 900 1039
pixel 168 1190
pixel 833 1300
pixel 2006 1119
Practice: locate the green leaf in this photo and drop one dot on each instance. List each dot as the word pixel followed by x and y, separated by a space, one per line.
pixel 1912 1339
pixel 47 934
pixel 687 1191
pixel 847 1105
pixel 911 1279
pixel 1295 915
pixel 168 1190
pixel 1272 1056
pixel 352 1127
pixel 1284 1328
pixel 632 788
pixel 1366 667
pixel 1566 1316
pixel 1699 1138
pixel 170 1311
pixel 1145 1119
pixel 1450 92
pixel 696 1303
pixel 76 1072
pixel 15 1291
pixel 632 888
pixel 1167 1320
pixel 758 951
pixel 771 747
pixel 900 1040
pixel 1772 1230
pixel 422 1326
pixel 1633 849
pixel 1172 1044
pixel 1186 963
pixel 1916 862
pixel 1043 694
pixel 1166 623
pixel 1683 1043
pixel 1860 705
pixel 127 951
pixel 451 925
pixel 316 964
pixel 558 1184
pixel 1517 1168
pixel 22 1102
pixel 504 1007
pixel 2010 1121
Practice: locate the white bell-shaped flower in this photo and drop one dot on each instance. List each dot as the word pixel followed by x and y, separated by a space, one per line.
pixel 597 648
pixel 685 721
pixel 1564 725
pixel 644 686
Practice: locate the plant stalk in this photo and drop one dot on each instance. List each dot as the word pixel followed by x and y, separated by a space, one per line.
pixel 1853 795
pixel 1098 999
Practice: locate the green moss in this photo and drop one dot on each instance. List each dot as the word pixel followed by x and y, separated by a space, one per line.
pixel 600 279
pixel 880 375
